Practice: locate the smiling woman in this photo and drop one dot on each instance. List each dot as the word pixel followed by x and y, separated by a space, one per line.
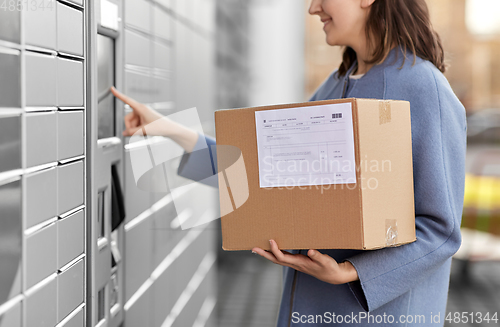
pixel 392 44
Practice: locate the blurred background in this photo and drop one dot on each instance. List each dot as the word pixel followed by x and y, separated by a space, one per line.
pixel 64 259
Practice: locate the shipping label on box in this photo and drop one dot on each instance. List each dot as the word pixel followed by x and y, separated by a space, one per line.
pixel 306 146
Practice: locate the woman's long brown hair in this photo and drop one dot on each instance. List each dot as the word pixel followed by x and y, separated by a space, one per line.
pixel 405 23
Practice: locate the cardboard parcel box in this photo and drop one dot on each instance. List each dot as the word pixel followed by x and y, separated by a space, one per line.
pixel 333 174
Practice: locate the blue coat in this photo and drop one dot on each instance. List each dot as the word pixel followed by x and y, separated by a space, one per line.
pixel 408 283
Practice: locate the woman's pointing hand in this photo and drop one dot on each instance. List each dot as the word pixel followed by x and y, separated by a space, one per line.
pixel 140 116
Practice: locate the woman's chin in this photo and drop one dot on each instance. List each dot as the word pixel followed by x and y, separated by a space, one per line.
pixel 334 41
pixel 331 42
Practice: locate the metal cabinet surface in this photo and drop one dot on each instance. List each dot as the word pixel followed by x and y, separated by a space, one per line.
pixel 41 196
pixel 10 142
pixel 40 80
pixel 69 83
pixel 41 255
pixel 40 27
pixel 70 237
pixel 11 233
pixel 40 309
pixel 70 186
pixel 69 30
pixel 70 134
pixel 41 138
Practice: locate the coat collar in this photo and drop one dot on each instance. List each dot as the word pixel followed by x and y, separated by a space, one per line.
pixel 371 85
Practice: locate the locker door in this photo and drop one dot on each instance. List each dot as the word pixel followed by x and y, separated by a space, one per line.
pixel 107 177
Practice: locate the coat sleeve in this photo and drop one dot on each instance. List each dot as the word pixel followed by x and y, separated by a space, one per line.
pixel 438 144
pixel 201 163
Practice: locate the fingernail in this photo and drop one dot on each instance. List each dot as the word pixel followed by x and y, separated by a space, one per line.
pixel 311 252
pixel 271 241
pixel 254 252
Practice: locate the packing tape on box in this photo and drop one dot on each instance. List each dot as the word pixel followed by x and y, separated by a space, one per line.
pixel 391 232
pixel 384 112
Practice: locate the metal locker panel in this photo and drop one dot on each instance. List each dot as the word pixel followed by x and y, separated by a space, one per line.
pixel 69 83
pixel 204 78
pixel 185 77
pixel 105 79
pixel 137 49
pixel 163 218
pixel 41 255
pixel 175 236
pixel 157 196
pixel 205 292
pixel 164 237
pixel 105 64
pixel 136 200
pixel 138 14
pixel 40 80
pixel 70 134
pixel 40 27
pixel 10 229
pixel 40 307
pixel 138 86
pixel 204 209
pixel 170 285
pixel 70 186
pixel 190 311
pixel 106 110
pixel 204 14
pixel 10 143
pixel 12 318
pixel 69 30
pixel 162 23
pixel 103 259
pixel 41 196
pixel 138 249
pixel 163 301
pixel 76 321
pixel 71 238
pixel 183 269
pixel 10 25
pixel 78 2
pixel 41 138
pixel 140 313
pixel 166 3
pixel 162 150
pixel 70 289
pixel 162 56
pixel 115 299
pixel 161 235
pixel 162 89
pixel 10 78
pixel 184 8
pixel 188 262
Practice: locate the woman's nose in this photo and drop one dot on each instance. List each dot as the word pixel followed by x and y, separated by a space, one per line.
pixel 315 7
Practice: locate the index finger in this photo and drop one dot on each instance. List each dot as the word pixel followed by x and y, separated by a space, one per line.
pixel 126 99
pixel 287 258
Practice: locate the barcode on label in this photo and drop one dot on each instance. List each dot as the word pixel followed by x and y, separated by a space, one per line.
pixel 339 115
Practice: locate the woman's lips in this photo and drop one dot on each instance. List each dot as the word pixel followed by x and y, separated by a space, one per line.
pixel 326 22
